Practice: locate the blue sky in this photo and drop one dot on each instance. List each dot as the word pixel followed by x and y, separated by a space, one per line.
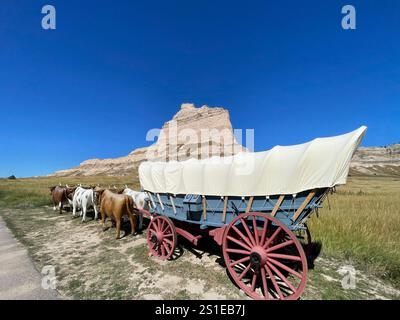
pixel 114 69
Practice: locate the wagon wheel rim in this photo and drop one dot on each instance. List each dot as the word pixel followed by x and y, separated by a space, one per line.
pixel 267 264
pixel 161 237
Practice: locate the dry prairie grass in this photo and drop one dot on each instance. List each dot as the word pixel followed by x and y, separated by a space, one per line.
pixel 363 225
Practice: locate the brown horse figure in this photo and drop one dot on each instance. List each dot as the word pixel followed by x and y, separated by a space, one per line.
pixel 115 206
pixel 61 195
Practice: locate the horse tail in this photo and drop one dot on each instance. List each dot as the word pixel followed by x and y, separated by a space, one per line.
pixel 132 211
pixel 130 206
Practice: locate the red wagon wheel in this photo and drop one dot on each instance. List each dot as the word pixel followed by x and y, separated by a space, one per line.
pixel 264 257
pixel 161 237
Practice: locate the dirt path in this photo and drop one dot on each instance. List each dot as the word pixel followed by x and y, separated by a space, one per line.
pixel 91 264
pixel 19 278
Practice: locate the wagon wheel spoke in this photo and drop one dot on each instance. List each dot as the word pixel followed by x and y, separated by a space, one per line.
pixel 276 286
pixel 242 236
pixel 161 225
pixel 165 247
pixel 238 242
pixel 255 230
pixel 264 232
pixel 253 281
pixel 281 245
pixel 284 256
pixel 162 251
pixel 282 277
pixel 165 228
pixel 245 271
pixel 168 241
pixel 269 240
pixel 234 263
pixel 238 251
pixel 168 235
pixel 152 226
pixel 155 226
pixel 247 231
pixel 286 268
pixel 264 282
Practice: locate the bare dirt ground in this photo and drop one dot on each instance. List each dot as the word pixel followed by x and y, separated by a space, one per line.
pixel 91 264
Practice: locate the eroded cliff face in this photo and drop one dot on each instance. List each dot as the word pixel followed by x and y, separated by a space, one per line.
pixel 192 133
pixel 382 161
pixel 207 131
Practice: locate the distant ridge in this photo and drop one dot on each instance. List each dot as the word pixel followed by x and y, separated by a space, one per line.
pixel 376 161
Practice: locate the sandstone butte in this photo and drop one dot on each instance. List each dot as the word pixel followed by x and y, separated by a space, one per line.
pixel 191 133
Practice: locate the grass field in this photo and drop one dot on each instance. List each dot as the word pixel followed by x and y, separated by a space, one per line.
pixel 362 227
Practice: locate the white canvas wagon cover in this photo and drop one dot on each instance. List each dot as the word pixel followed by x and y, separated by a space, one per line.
pixel 320 163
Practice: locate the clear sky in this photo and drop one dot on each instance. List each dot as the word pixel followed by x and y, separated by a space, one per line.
pixel 114 69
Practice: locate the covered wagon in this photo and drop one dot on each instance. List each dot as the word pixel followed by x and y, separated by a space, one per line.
pixel 253 204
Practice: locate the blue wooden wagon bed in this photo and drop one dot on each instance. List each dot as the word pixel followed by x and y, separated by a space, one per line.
pixel 214 211
pixel 253 205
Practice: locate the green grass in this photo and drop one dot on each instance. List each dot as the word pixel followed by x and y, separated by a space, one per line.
pixel 363 225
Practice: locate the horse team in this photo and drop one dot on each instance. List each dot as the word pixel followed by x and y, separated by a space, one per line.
pixel 112 203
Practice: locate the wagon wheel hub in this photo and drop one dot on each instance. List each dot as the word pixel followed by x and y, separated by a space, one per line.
pixel 258 256
pixel 159 237
pixel 153 238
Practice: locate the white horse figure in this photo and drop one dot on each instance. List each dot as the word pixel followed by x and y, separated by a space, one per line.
pixel 84 199
pixel 140 199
